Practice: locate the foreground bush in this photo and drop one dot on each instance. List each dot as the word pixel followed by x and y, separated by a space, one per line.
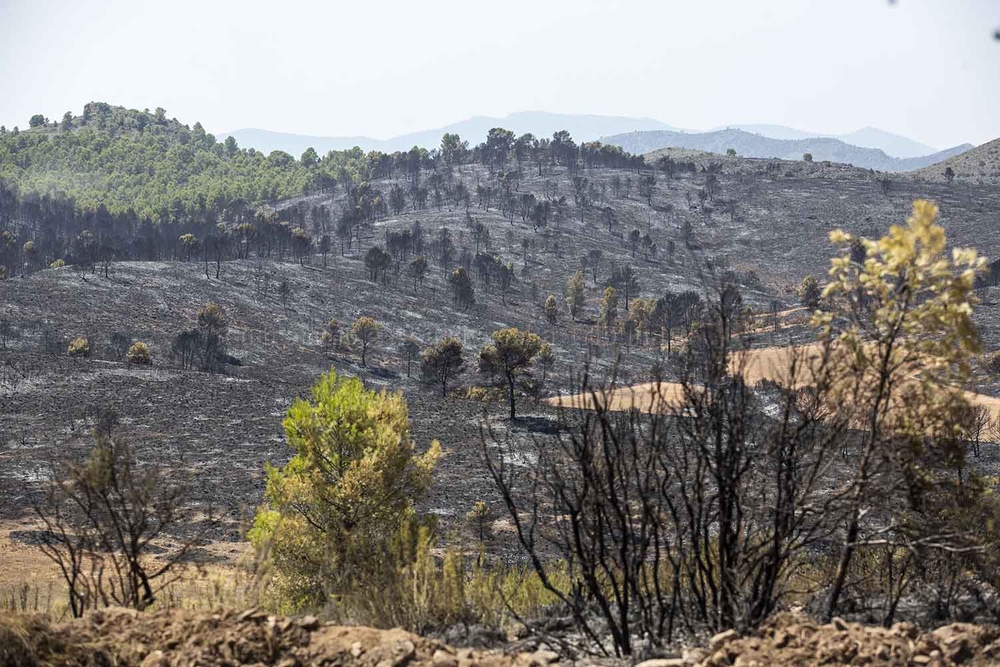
pixel 336 510
pixel 139 354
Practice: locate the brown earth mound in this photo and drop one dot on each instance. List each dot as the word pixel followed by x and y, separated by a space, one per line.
pixel 184 639
pixel 789 639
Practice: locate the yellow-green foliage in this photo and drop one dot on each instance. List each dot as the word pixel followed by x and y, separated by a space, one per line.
pixel 576 293
pixel 551 309
pixel 78 347
pixel 509 357
pixel 919 334
pixel 642 314
pixel 365 329
pixel 493 592
pixel 484 394
pixel 809 292
pixel 138 353
pixel 334 509
pixel 58 264
pixel 609 308
pixel 420 590
pixel 480 519
pixel 212 318
pixel 415 589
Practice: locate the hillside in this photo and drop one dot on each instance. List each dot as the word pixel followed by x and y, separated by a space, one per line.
pixel 584 127
pixel 142 164
pixel 980 165
pixel 891 144
pixel 773 236
pixel 756 146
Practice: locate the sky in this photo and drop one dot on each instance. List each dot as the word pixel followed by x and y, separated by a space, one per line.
pixel 926 69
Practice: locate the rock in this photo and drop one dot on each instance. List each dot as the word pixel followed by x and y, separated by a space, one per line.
pixel 663 662
pixel 356 649
pixel 720 658
pixel 155 659
pixel 721 639
pixel 694 655
pixel 444 659
pixel 308 623
pixel 539 658
pixel 959 641
pixel 544 657
pixel 402 652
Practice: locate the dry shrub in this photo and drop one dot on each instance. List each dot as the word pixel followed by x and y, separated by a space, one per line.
pixel 138 354
pixel 79 347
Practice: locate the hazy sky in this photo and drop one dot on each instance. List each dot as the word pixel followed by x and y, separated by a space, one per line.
pixel 928 69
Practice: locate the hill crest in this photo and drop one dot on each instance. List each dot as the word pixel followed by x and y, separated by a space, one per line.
pixel 583 127
pixel 979 165
pixel 747 144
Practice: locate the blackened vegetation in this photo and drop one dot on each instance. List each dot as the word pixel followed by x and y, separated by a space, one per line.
pixel 204 348
pixel 102 517
pixel 715 509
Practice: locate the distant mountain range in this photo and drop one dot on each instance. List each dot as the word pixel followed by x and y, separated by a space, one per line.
pixel 868 147
pixel 867 137
pixel 540 123
pixel 747 144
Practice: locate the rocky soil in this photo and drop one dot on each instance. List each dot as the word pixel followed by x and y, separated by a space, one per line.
pixel 182 639
pixel 789 639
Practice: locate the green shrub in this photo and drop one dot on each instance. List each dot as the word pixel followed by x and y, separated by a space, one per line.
pixel 58 264
pixel 79 347
pixel 810 292
pixel 138 353
pixel 336 510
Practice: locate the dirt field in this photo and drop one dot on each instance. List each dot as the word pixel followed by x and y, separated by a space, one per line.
pixel 759 364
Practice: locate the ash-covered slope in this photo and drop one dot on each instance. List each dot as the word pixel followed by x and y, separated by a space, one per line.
pixel 980 165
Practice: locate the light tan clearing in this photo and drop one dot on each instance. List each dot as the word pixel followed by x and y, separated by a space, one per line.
pixel 769 363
